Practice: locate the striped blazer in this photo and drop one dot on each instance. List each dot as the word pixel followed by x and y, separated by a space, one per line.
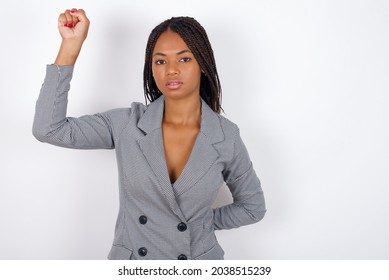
pixel 158 219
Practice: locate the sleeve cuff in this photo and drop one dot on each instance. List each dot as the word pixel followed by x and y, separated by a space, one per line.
pixel 60 69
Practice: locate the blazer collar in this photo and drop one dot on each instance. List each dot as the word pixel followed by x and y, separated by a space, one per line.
pixel 210 122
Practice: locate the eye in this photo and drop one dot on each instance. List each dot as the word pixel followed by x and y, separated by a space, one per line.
pixel 185 59
pixel 159 62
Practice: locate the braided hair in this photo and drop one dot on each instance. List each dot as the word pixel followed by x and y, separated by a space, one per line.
pixel 196 38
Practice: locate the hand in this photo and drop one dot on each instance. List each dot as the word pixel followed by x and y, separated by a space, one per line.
pixel 73 24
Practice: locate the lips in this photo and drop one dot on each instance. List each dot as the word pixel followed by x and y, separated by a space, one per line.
pixel 173 84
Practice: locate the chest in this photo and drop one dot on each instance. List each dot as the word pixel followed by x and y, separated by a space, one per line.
pixel 178 142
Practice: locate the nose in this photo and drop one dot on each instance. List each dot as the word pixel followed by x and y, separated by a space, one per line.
pixel 172 69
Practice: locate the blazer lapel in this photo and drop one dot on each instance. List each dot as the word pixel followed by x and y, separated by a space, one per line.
pixel 152 147
pixel 203 154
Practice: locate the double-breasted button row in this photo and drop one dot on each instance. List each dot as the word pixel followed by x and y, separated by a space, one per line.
pixel 142 251
pixel 181 227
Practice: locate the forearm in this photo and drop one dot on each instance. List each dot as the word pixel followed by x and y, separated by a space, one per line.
pixel 242 212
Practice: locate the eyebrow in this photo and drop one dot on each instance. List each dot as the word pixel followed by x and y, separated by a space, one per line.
pixel 180 52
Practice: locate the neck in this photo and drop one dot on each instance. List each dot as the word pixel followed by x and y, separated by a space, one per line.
pixel 182 111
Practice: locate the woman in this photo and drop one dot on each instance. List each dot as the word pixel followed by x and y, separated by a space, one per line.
pixel 173 155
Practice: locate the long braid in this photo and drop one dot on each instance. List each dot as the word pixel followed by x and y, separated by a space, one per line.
pixel 195 36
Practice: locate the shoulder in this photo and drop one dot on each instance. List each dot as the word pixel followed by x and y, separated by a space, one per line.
pixel 138 108
pixel 232 137
pixel 121 118
pixel 230 129
pixel 124 114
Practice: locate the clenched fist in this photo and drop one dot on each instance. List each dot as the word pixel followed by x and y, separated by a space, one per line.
pixel 73 25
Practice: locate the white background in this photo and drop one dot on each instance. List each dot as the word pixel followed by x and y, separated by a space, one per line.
pixel 306 81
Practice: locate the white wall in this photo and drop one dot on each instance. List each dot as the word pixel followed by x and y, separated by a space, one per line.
pixel 306 81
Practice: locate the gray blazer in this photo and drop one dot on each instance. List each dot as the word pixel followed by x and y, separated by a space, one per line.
pixel 157 219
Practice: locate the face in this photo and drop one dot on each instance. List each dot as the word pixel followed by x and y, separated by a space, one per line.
pixel 175 69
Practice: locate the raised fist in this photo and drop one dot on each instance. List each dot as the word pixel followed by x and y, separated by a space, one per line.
pixel 73 24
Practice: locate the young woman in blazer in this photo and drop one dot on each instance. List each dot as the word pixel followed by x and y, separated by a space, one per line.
pixel 173 155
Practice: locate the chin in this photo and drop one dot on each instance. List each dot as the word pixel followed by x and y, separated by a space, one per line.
pixel 175 95
pixel 180 94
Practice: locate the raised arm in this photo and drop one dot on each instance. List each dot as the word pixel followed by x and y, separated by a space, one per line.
pixel 51 124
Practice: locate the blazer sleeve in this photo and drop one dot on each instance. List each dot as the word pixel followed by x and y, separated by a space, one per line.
pixel 248 200
pixel 51 124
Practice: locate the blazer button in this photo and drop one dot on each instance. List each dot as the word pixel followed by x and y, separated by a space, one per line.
pixel 143 219
pixel 182 257
pixel 182 227
pixel 142 251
